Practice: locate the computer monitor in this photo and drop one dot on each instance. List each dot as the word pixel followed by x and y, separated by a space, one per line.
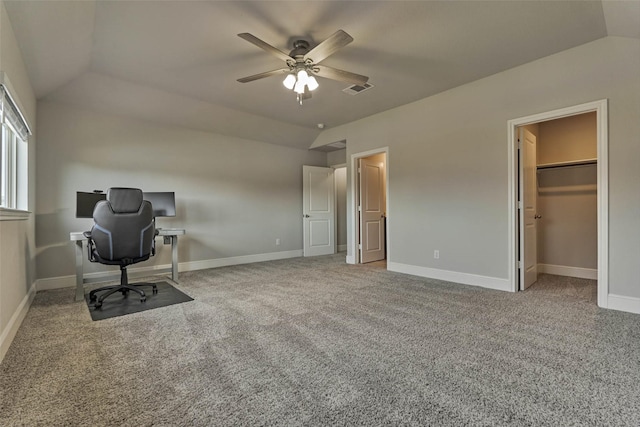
pixel 163 203
pixel 85 202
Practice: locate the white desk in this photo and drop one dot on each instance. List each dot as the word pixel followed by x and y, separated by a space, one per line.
pixel 169 234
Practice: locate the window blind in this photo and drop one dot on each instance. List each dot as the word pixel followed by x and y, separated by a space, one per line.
pixel 9 113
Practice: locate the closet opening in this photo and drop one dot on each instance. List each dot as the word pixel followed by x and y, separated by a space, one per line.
pixel 559 219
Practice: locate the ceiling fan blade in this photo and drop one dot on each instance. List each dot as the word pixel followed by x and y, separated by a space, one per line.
pixel 336 41
pixel 263 75
pixel 340 75
pixel 265 46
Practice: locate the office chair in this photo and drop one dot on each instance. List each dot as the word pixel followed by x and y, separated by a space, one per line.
pixel 123 234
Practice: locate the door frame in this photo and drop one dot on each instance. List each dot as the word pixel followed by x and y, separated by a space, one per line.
pixel 353 254
pixel 600 107
pixel 335 193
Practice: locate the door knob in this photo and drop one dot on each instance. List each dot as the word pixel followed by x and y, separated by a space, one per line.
pixel 306 216
pixel 536 216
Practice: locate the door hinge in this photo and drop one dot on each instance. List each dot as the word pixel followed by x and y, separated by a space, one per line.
pixel 359 170
pixel 359 208
pixel 519 205
pixel 360 246
pixel 519 144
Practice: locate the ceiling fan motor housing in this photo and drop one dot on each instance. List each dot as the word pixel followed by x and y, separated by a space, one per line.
pixel 300 48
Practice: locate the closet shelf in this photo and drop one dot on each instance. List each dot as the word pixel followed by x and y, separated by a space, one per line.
pixel 571 163
pixel 569 189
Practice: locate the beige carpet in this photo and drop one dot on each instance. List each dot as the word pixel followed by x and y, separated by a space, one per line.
pixel 318 342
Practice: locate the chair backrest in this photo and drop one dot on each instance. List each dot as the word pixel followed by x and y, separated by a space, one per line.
pixel 124 228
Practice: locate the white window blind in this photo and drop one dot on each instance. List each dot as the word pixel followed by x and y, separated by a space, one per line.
pixel 14 134
pixel 10 114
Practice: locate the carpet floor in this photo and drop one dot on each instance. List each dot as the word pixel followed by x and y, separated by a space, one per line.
pixel 313 341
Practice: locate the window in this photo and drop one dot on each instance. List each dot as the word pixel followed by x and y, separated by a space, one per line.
pixel 13 154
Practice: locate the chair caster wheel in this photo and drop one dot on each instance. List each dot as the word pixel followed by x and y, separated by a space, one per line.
pixel 155 290
pixel 97 305
pixel 143 299
pixel 92 298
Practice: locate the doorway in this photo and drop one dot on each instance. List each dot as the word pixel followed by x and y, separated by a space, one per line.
pixel 523 252
pixel 369 196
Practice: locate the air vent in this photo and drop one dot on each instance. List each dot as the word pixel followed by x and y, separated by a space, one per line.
pixel 356 89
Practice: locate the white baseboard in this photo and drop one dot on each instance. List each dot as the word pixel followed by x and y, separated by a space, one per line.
pixel 9 332
pixel 563 270
pixel 622 303
pixel 451 276
pixel 342 248
pixel 70 281
pixel 55 283
pixel 246 259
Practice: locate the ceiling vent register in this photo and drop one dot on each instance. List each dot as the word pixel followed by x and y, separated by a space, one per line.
pixel 356 89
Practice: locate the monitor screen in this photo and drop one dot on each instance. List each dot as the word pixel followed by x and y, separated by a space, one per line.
pixel 85 202
pixel 163 203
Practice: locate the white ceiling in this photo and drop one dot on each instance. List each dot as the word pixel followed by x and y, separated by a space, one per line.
pixel 177 61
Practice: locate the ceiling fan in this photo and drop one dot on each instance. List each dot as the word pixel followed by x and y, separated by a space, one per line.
pixel 303 64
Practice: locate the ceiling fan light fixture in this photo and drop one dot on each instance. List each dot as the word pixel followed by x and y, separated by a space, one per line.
pixel 289 81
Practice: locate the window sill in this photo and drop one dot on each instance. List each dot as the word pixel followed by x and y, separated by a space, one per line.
pixel 13 214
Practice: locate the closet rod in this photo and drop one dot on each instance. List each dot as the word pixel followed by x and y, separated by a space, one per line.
pixel 567 164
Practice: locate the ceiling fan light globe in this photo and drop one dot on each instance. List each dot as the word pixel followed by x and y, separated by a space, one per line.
pixel 289 81
pixel 303 77
pixel 312 83
pixel 299 88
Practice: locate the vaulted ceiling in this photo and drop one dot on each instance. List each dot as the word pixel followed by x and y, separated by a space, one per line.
pixel 177 62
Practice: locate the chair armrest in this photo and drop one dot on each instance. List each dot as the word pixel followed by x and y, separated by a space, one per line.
pixel 91 247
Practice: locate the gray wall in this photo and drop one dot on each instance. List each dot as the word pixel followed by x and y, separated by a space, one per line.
pixel 234 197
pixel 337 158
pixel 448 159
pixel 17 237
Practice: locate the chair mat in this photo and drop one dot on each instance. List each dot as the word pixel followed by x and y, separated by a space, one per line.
pixel 115 305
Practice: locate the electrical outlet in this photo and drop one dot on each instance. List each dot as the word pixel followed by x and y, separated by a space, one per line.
pixel 436 254
pixel 277 242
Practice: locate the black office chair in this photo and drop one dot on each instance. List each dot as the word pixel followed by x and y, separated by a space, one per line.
pixel 123 234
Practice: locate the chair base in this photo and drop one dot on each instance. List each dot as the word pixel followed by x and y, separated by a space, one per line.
pixel 110 290
pixel 124 287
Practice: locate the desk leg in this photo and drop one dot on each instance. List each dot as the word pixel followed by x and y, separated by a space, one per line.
pixel 79 271
pixel 174 258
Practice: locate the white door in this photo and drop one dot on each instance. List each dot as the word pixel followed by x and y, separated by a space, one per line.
pixel 528 213
pixel 372 210
pixel 318 211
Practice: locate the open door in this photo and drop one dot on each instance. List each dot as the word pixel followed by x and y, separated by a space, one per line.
pixel 528 209
pixel 372 210
pixel 318 211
